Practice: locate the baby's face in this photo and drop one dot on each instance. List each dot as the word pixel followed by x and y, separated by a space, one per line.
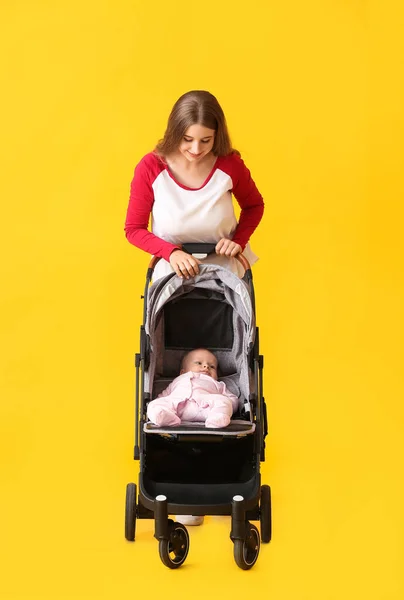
pixel 201 361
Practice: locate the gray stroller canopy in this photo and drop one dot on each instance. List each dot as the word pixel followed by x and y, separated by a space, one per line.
pixel 214 310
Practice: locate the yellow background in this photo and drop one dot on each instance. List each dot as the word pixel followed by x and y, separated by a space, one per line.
pixel 313 92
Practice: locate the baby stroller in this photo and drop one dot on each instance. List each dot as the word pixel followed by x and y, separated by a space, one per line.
pixel 190 469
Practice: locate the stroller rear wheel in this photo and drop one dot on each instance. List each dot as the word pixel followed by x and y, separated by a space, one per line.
pixel 174 551
pixel 265 514
pixel 246 551
pixel 130 512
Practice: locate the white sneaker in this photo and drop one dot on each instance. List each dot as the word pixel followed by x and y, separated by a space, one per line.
pixel 189 519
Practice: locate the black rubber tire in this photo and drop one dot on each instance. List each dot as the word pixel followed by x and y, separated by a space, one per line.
pixel 130 512
pixel 246 551
pixel 174 551
pixel 265 514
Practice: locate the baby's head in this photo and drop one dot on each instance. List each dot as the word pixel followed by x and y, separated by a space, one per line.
pixel 200 360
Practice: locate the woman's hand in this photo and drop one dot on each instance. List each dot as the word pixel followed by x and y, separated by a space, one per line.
pixel 228 247
pixel 184 264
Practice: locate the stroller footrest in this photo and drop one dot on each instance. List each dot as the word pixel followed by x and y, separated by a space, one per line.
pixel 235 428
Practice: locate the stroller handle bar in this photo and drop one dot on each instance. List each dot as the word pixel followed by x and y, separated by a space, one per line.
pixel 202 249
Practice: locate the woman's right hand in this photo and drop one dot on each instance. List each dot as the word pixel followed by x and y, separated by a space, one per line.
pixel 184 264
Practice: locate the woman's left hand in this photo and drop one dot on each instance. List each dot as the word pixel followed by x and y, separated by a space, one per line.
pixel 227 247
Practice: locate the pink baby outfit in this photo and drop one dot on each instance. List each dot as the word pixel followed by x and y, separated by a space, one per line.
pixel 193 397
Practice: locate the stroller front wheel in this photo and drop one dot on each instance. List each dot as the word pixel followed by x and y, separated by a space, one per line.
pixel 246 551
pixel 174 551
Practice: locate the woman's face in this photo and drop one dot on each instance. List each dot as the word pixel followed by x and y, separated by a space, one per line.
pixel 197 142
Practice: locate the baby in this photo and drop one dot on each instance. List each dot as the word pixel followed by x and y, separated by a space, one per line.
pixel 195 395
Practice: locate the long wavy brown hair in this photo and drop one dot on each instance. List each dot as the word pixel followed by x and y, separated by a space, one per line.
pixel 196 108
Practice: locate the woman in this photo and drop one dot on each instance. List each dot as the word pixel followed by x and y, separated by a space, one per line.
pixel 186 185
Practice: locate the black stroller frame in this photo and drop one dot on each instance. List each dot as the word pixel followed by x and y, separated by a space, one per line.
pixel 192 470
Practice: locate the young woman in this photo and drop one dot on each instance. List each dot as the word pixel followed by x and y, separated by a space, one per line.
pixel 186 185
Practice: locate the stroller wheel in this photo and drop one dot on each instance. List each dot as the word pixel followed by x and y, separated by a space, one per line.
pixel 265 514
pixel 130 512
pixel 246 551
pixel 174 551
